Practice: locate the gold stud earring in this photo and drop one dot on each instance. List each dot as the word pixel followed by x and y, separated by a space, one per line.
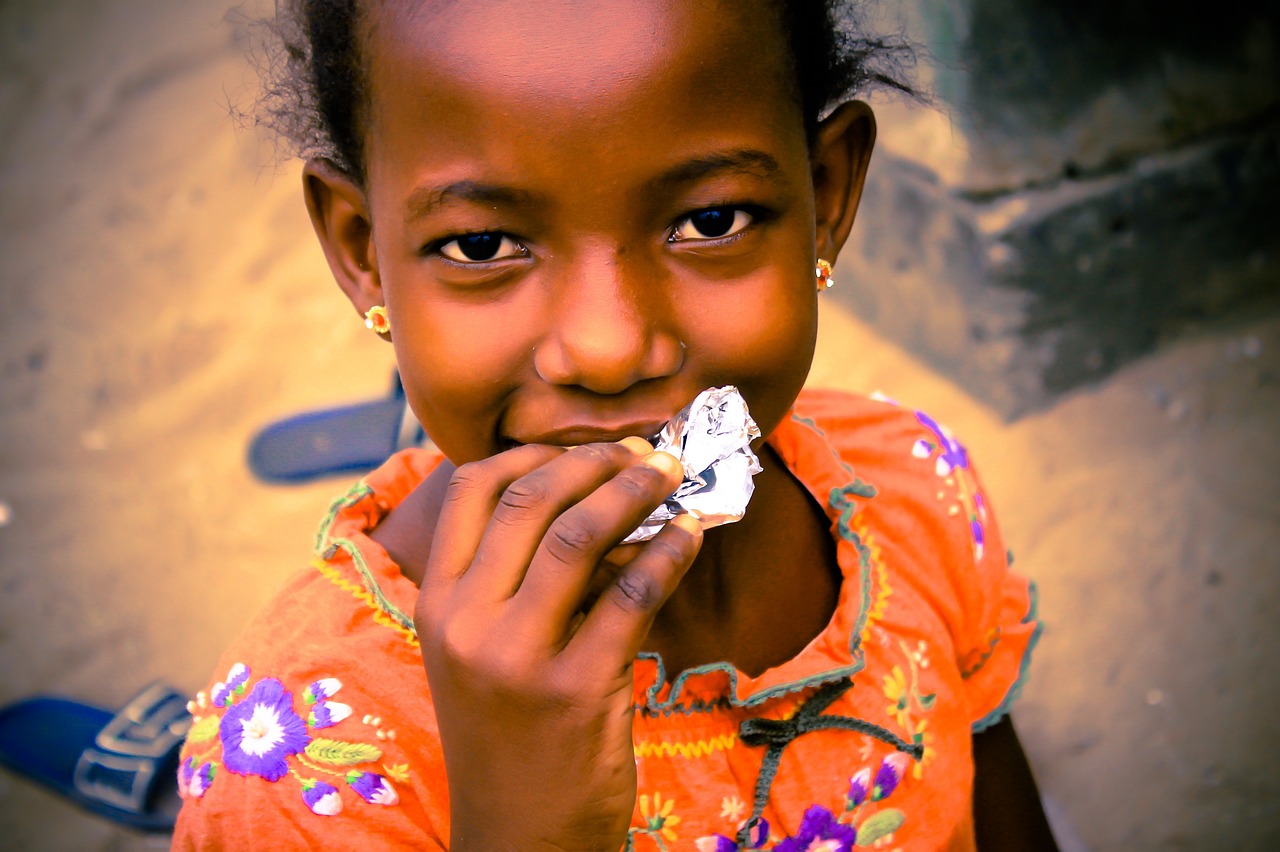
pixel 376 320
pixel 823 272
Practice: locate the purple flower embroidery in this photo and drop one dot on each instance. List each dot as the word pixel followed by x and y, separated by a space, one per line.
pixel 324 688
pixel 327 713
pixel 953 453
pixel 222 692
pixel 859 785
pixel 373 788
pixel 756 838
pixel 322 798
pixel 819 830
pixel 200 780
pixel 889 775
pixel 260 732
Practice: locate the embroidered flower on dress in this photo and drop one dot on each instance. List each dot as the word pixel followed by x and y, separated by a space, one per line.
pixel 224 691
pixel 732 808
pixel 373 788
pixel 324 688
pixel 859 787
pixel 200 779
pixel 322 798
pixel 325 714
pixel 889 775
pixel 895 689
pixel 923 738
pixel 820 832
pixel 260 732
pixel 659 818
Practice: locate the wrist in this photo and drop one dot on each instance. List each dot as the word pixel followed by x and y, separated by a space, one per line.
pixel 406 533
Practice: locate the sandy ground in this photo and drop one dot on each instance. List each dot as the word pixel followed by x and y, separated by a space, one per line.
pixel 161 298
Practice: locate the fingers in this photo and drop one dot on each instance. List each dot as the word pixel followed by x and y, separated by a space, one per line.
pixel 541 512
pixel 622 615
pixel 469 503
pixel 569 553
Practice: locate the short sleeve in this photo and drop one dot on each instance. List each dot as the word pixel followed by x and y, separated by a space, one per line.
pixel 997 627
pixel 920 495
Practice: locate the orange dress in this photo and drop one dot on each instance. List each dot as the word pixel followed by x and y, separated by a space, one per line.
pixel 321 733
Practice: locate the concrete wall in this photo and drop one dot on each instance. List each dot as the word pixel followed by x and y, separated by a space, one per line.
pixel 1106 174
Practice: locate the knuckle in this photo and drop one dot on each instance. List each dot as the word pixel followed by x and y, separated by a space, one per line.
pixel 470 478
pixel 640 482
pixel 636 592
pixel 673 552
pixel 570 538
pixel 526 495
pixel 457 640
pixel 507 664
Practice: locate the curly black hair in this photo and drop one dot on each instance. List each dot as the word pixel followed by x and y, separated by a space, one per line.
pixel 314 87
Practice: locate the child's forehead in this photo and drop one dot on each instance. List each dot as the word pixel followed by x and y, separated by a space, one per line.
pixel 561 45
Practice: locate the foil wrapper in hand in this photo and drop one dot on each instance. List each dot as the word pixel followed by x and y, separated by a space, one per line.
pixel 712 439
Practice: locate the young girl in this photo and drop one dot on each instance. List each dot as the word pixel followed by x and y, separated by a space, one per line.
pixel 570 218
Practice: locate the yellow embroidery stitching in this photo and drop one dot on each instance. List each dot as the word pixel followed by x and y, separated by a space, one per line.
pixel 883 589
pixel 333 575
pixel 699 748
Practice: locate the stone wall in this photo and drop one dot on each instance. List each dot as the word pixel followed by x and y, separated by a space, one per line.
pixel 1100 177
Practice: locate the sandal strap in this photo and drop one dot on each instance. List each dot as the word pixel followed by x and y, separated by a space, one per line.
pixel 121 766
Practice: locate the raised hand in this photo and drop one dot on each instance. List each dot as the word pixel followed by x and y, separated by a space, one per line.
pixel 529 636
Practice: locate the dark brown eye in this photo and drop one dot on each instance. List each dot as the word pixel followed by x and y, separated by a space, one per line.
pixel 712 224
pixel 481 248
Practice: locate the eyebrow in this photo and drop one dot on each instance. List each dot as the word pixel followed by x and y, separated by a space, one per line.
pixel 424 200
pixel 745 161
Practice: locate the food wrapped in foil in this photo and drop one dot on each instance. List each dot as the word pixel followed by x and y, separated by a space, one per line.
pixel 712 438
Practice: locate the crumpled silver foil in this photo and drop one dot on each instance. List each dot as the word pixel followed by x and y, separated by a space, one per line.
pixel 712 439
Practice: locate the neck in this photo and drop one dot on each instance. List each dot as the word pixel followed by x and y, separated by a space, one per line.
pixel 761 589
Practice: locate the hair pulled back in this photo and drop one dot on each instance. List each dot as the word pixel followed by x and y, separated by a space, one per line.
pixel 315 92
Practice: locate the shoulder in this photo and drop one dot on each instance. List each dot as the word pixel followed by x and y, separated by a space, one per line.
pixel 921 507
pixel 875 429
pixel 905 468
pixel 317 726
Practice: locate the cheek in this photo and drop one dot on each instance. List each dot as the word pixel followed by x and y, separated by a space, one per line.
pixel 766 342
pixel 457 373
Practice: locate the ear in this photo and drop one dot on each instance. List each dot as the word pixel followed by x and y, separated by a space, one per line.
pixel 841 153
pixel 340 215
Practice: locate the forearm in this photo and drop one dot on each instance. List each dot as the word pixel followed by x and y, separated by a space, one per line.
pixel 1007 812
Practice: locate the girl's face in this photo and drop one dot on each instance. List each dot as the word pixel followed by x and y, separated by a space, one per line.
pixel 581 214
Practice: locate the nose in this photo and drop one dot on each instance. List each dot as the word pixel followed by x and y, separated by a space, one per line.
pixel 608 330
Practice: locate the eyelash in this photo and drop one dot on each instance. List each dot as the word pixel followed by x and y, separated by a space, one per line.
pixel 439 247
pixel 756 216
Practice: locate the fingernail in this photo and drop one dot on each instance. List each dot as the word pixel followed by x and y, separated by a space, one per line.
pixel 664 462
pixel 639 446
pixel 688 523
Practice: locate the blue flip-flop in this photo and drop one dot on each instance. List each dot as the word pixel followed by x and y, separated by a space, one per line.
pixel 119 765
pixel 344 440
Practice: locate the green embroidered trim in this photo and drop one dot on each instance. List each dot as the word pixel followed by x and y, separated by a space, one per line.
pixel 384 603
pixel 1023 668
pixel 354 495
pixel 326 547
pixel 695 706
pixel 841 501
pixel 815 427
